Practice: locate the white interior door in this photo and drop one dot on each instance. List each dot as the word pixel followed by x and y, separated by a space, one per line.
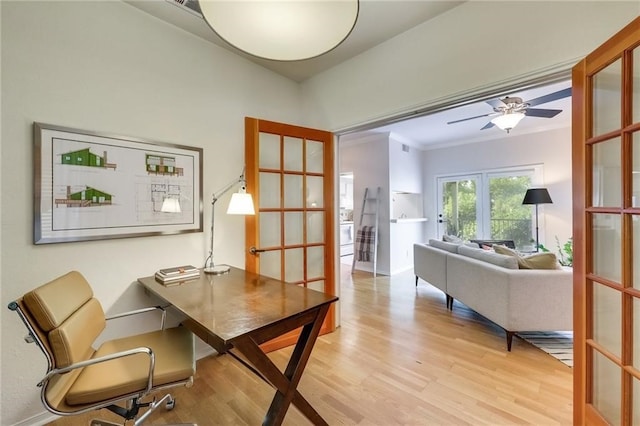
pixel 459 206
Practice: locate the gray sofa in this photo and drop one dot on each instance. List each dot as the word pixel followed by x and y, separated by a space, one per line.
pixel 492 285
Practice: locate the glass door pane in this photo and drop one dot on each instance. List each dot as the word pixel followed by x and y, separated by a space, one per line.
pixel 635 168
pixel 607 326
pixel 636 402
pixel 607 173
pixel 509 218
pixel 607 246
pixel 459 208
pixel 607 99
pixel 607 397
pixel 636 341
pixel 636 85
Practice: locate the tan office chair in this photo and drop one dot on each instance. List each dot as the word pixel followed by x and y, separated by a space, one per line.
pixel 64 319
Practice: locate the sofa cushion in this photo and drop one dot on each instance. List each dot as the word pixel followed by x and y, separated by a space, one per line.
pixel 452 239
pixel 443 245
pixel 491 243
pixel 534 261
pixel 502 260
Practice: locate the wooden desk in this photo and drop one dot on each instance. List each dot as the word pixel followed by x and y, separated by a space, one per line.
pixel 241 310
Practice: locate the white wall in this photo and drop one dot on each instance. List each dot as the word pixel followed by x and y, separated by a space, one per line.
pixel 107 66
pixel 405 174
pixel 378 160
pixel 552 149
pixel 368 159
pixel 470 47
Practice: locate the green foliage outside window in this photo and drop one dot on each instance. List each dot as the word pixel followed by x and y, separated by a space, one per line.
pixel 510 219
pixel 459 208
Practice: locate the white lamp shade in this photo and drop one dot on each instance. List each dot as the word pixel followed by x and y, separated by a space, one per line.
pixel 241 203
pixel 171 205
pixel 508 121
pixel 281 30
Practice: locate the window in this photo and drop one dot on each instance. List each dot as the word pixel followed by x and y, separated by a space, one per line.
pixel 509 218
pixel 488 205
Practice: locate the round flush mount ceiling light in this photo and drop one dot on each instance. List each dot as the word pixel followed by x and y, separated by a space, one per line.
pixel 285 30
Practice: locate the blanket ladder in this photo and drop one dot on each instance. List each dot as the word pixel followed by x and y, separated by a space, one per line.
pixel 366 242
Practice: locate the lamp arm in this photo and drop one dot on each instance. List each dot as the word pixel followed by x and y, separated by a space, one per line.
pixel 216 195
pixel 227 188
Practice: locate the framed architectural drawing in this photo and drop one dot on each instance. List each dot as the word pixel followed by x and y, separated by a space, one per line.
pixel 90 186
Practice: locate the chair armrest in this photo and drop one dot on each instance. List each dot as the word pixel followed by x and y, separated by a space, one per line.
pixel 116 355
pixel 142 311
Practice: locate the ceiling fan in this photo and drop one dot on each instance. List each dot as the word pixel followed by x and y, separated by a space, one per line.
pixel 508 111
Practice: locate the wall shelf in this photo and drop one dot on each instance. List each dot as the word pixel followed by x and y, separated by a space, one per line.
pixel 409 220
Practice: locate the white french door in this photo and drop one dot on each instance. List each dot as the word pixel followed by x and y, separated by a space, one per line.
pixel 459 206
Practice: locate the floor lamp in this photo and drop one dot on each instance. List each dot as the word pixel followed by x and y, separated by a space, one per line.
pixel 537 196
pixel 241 203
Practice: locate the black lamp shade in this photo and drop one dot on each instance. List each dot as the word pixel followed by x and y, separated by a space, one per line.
pixel 537 196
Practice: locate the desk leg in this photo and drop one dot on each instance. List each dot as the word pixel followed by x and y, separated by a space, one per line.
pixel 286 384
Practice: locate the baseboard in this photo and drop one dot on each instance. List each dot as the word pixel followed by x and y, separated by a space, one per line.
pixel 203 352
pixel 367 267
pixel 401 270
pixel 38 420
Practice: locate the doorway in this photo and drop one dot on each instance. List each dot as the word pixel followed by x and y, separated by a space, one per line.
pixel 544 140
pixel 346 218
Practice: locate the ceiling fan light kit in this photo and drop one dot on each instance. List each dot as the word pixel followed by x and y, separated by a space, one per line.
pixel 508 120
pixel 282 30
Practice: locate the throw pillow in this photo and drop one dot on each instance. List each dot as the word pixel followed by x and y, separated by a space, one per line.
pixel 539 261
pixel 534 261
pixel 508 262
pixel 499 248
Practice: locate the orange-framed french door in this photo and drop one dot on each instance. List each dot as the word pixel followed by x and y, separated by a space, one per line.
pixel 606 221
pixel 290 172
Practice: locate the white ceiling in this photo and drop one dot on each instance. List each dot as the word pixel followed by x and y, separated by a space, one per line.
pixel 378 21
pixel 432 131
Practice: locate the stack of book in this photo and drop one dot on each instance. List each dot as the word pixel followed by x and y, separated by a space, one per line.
pixel 177 274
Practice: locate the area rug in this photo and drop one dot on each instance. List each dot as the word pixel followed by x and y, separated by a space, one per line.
pixel 558 344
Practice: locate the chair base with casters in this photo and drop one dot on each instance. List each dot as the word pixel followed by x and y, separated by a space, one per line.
pixel 64 319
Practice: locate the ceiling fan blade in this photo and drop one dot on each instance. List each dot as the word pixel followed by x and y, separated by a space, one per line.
pixel 539 112
pixel 470 118
pixel 495 103
pixel 550 97
pixel 488 126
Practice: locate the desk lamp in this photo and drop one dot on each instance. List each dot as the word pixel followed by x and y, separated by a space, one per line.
pixel 537 196
pixel 241 203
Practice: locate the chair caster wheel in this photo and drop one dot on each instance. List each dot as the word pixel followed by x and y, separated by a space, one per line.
pixel 171 404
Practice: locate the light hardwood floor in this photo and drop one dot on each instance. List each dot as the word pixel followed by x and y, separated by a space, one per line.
pixel 399 358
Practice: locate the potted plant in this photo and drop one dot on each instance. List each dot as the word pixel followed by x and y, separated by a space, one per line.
pixel 565 251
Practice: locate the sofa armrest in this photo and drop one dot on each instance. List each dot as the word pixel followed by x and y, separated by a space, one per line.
pixel 541 300
pixel 430 264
